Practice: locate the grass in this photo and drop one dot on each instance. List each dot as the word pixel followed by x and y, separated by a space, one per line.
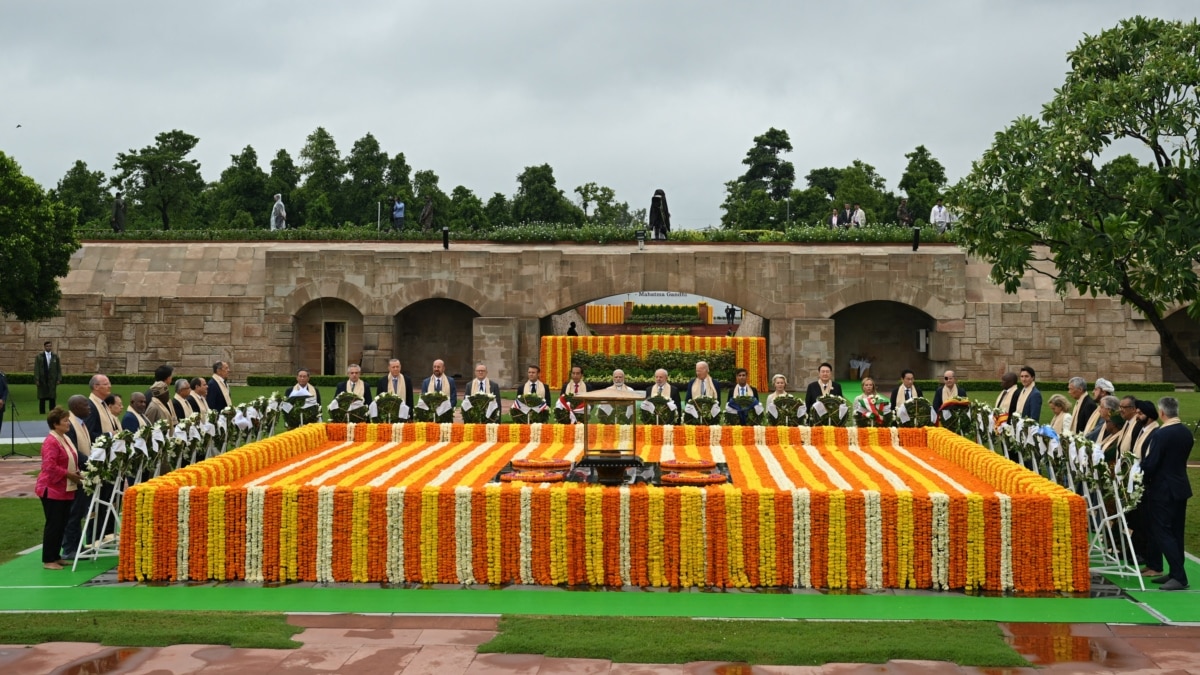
pixel 21 523
pixel 152 629
pixel 681 640
pixel 1191 527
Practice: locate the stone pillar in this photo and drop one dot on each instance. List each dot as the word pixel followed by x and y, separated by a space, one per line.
pixel 813 343
pixel 377 343
pixel 496 344
pixel 529 346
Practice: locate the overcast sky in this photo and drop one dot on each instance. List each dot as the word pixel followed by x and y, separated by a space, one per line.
pixel 633 95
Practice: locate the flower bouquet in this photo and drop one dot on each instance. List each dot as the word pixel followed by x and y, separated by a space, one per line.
pixel 658 410
pixel 958 416
pixel 743 411
pixel 434 407
pixel 300 410
pixel 567 411
pixel 608 414
pixel 786 411
pixel 829 411
pixel 480 409
pixel 110 460
pixel 701 411
pixel 529 409
pixel 915 412
pixel 347 407
pixel 388 408
pixel 872 410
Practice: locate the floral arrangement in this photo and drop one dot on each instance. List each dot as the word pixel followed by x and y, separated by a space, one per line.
pixel 702 410
pixel 529 409
pixel 658 410
pixel 872 411
pixel 915 412
pixel 479 409
pixel 388 409
pixel 606 413
pixel 298 411
pixel 111 458
pixel 786 411
pixel 829 411
pixel 556 352
pixel 347 407
pixel 958 416
pixel 568 411
pixel 434 407
pixel 744 411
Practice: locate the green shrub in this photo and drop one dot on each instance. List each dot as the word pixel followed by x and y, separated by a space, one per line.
pixel 680 366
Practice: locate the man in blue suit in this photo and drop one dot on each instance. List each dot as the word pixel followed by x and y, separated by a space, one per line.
pixel 440 383
pixel 1029 400
pixel 1167 491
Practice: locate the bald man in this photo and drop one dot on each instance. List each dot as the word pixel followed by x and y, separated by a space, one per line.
pixel 440 383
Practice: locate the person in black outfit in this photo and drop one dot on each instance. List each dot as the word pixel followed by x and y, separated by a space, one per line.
pixel 825 384
pixel 660 216
pixel 1167 491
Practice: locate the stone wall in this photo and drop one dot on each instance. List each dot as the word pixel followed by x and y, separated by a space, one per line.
pixel 128 307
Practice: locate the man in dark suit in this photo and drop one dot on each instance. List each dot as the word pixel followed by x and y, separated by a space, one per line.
pixel 135 416
pixel 47 375
pixel 533 384
pixel 575 385
pixel 1006 401
pixel 354 384
pixel 1029 399
pixel 302 388
pixel 3 399
pixel 395 383
pixel 949 390
pixel 741 387
pixel 218 388
pixel 1085 406
pixel 100 421
pixel 906 390
pixel 702 385
pixel 1167 491
pixel 482 384
pixel 440 382
pixel 825 385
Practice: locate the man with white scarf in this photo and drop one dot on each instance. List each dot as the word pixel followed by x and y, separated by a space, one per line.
pixel 702 386
pixel 354 384
pixel 481 384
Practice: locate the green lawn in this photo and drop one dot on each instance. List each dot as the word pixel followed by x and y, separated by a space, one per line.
pixel 680 640
pixel 151 629
pixel 21 523
pixel 1191 531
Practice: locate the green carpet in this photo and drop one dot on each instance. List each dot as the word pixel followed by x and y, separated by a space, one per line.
pixel 24 586
pixel 1176 606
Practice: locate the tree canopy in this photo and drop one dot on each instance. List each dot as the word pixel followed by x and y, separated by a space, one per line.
pixel 37 239
pixel 1052 195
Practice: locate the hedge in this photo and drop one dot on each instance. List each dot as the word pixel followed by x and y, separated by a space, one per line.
pixel 1047 385
pixel 85 378
pixel 288 380
pixel 680 366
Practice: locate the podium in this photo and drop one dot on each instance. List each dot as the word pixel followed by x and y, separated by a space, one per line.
pixel 610 463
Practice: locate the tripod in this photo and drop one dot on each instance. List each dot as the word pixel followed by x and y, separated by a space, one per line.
pixel 11 407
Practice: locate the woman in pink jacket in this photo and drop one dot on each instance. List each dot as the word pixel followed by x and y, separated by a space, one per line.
pixel 56 485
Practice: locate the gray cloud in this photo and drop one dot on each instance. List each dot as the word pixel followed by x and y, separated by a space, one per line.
pixel 634 95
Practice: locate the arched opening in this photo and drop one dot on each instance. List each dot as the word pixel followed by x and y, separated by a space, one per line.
pixel 433 329
pixel 895 337
pixel 656 312
pixel 328 336
pixel 1187 334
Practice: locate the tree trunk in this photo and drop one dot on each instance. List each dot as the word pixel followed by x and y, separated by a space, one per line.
pixel 166 217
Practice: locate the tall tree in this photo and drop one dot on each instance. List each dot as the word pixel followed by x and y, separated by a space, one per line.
pixel 84 190
pixel 826 178
pixel 365 187
pixel 243 189
pixel 322 169
pixel 861 184
pixel 498 211
pixel 1042 198
pixel 160 176
pixel 758 198
pixel 538 198
pixel 37 239
pixel 923 181
pixel 425 184
pixel 466 211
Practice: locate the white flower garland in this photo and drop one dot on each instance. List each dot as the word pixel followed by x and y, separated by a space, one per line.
pixel 830 472
pixel 491 433
pixel 806 435
pixel 874 516
pixel 462 462
pixel 852 438
pixel 801 535
pixel 760 435
pixel 1006 566
pixel 772 462
pixel 397 432
pixel 526 537
pixel 463 554
pixel 254 534
pixel 580 437
pixel 183 525
pixel 667 454
pixel 535 432
pixel 395 535
pixel 624 534
pixel 718 452
pixel 625 435
pixel 940 541
pixel 350 431
pixel 444 431
pixel 325 534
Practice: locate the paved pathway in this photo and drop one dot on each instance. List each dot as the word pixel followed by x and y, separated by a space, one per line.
pixel 366 645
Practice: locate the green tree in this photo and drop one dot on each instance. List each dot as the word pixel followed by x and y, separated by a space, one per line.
pixel 425 184
pixel 84 190
pixel 322 169
pixel 826 178
pixel 923 181
pixel 160 176
pixel 399 185
pixel 1043 199
pixel 767 174
pixel 861 184
pixel 466 211
pixel 37 239
pixel 810 206
pixel 242 188
pixel 538 198
pixel 498 211
pixel 365 186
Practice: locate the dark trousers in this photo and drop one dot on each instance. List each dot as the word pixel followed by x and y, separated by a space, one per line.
pixel 74 526
pixel 398 223
pixel 56 511
pixel 1166 529
pixel 1143 543
pixel 42 408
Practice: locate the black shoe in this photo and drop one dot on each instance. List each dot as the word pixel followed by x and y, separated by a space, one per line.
pixel 1161 580
pixel 1173 585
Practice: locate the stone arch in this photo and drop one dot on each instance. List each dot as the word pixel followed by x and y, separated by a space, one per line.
pixel 429 289
pixel 345 291
pixel 887 331
pixel 578 294
pixel 867 290
pixel 435 328
pixel 327 336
